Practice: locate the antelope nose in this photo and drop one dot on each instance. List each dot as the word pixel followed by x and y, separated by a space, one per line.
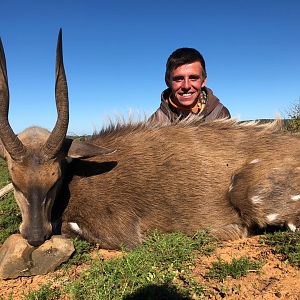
pixel 35 243
pixel 35 240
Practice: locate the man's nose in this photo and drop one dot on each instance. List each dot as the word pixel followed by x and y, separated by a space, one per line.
pixel 186 84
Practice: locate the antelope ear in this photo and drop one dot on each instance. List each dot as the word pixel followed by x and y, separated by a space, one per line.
pixel 80 149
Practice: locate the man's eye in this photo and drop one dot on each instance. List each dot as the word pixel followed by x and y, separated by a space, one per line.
pixel 177 79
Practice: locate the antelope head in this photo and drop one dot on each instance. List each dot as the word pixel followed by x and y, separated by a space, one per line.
pixel 35 157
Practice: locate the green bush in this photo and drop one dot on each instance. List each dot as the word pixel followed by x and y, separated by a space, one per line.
pixel 293 113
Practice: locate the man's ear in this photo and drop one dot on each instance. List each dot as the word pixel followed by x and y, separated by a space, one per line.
pixel 203 83
pixel 80 149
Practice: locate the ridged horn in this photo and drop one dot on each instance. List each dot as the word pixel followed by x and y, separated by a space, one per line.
pixel 11 142
pixel 56 138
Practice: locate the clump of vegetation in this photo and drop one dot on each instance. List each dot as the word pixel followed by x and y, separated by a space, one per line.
pixel 236 268
pixel 285 243
pixel 81 254
pixel 44 293
pixel 160 268
pixel 10 216
pixel 293 114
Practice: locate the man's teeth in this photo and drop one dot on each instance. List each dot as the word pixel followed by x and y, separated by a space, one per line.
pixel 187 94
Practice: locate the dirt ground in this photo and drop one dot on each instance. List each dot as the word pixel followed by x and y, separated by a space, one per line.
pixel 276 279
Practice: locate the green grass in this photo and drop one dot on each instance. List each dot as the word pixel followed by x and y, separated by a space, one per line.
pixel 10 216
pixel 285 243
pixel 151 268
pixel 4 176
pixel 158 269
pixel 44 293
pixel 235 269
pixel 81 254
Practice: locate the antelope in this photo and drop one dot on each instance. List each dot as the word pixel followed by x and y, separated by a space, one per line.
pixel 132 178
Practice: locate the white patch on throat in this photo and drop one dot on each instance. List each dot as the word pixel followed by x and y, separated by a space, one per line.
pixel 272 217
pixel 254 161
pixel 295 197
pixel 75 227
pixel 292 227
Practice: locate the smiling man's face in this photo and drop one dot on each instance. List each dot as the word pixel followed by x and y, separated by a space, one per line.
pixel 186 83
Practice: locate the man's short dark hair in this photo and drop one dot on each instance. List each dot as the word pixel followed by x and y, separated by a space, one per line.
pixel 181 57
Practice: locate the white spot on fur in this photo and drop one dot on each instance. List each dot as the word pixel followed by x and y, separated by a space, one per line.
pixel 75 227
pixel 232 183
pixel 292 227
pixel 256 199
pixel 272 217
pixel 295 197
pixel 254 161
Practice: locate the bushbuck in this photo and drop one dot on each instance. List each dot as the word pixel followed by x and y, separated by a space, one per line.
pixel 132 178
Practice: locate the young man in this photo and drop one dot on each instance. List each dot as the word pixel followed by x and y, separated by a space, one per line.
pixel 186 93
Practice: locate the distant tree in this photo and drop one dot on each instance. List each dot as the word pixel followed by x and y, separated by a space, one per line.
pixel 293 114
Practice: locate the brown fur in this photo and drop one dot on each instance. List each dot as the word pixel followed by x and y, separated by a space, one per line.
pixel 178 177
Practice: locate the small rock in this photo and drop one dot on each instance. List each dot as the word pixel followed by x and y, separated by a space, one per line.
pixel 47 257
pixel 278 294
pixel 14 257
pixel 18 258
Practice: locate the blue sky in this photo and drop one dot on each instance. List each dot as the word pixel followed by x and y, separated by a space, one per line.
pixel 115 53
